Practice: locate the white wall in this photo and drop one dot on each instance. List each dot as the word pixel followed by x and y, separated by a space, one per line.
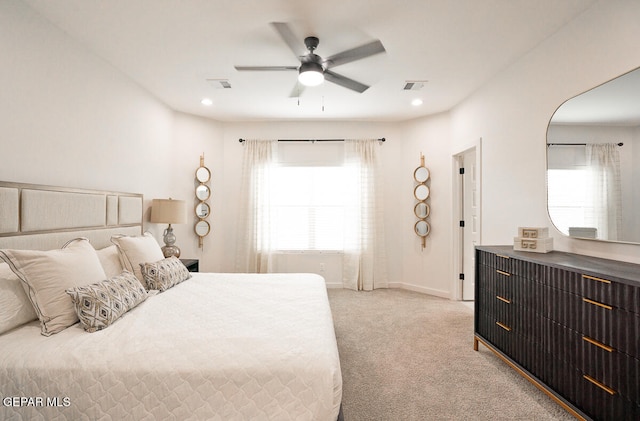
pixel 191 137
pixel 428 270
pixel 511 114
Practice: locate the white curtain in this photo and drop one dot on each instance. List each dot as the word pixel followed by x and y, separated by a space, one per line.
pixel 254 253
pixel 604 203
pixel 364 261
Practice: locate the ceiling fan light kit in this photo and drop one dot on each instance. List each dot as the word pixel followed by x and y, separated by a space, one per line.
pixel 311 74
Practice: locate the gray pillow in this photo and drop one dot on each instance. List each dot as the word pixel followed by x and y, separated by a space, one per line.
pixel 164 274
pixel 100 304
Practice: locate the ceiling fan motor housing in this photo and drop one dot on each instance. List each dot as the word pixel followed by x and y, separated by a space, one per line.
pixel 311 43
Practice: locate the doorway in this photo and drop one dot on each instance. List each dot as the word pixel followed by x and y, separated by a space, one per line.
pixel 467 223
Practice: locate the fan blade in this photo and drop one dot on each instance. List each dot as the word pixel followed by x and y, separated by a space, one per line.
pixel 370 49
pixel 289 38
pixel 297 90
pixel 344 81
pixel 265 68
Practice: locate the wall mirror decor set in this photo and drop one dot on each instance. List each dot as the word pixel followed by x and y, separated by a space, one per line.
pixel 421 175
pixel 202 209
pixel 593 162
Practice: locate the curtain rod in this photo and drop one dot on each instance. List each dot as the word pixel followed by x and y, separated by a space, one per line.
pixel 382 139
pixel 574 144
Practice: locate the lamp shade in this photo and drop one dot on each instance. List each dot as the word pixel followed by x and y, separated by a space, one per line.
pixel 168 211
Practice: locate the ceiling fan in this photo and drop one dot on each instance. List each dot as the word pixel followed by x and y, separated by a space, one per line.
pixel 313 69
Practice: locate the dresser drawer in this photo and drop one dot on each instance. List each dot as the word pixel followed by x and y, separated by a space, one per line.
pixel 610 367
pixel 599 288
pixel 589 394
pixel 602 404
pixel 609 325
pixel 497 332
pixel 494 260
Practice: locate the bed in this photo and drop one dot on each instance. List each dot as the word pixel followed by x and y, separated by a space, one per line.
pixel 210 346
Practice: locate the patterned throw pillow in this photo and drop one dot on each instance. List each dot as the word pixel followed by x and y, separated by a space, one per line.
pixel 164 274
pixel 100 304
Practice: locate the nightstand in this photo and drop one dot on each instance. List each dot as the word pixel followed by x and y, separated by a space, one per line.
pixel 191 264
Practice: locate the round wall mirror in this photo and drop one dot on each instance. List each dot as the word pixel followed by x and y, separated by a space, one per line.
pixel 203 174
pixel 422 228
pixel 202 210
pixel 203 192
pixel 202 228
pixel 421 174
pixel 421 210
pixel 421 192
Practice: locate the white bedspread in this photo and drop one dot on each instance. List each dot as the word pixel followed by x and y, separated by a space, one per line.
pixel 216 347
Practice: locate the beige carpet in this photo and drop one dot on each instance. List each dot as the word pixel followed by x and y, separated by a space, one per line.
pixel 409 356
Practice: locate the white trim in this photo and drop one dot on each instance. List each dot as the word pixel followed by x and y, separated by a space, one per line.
pixel 456 263
pixel 421 289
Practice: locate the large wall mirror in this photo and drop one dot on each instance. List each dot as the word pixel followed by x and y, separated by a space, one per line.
pixel 593 162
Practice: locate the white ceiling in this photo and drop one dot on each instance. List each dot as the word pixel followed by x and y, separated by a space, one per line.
pixel 171 48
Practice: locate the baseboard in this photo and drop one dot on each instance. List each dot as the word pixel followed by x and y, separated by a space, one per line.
pixel 421 289
pixel 333 285
pixel 400 285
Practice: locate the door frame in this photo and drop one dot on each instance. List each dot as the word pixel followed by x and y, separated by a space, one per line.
pixel 458 191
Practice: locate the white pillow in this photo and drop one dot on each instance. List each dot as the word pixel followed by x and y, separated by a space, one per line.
pixel 45 276
pixel 15 307
pixel 110 260
pixel 137 250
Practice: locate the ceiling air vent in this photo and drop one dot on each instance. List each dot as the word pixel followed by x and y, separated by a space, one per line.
pixel 414 85
pixel 220 83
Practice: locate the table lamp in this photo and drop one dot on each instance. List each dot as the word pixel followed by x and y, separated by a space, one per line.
pixel 169 211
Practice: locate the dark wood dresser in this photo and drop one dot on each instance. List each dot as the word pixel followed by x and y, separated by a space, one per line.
pixel 568 323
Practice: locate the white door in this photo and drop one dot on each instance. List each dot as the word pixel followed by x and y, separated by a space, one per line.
pixel 471 217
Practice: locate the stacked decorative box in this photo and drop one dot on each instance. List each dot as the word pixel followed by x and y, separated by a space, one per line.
pixel 533 239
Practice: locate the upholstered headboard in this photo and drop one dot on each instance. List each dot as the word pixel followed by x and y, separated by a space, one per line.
pixel 41 217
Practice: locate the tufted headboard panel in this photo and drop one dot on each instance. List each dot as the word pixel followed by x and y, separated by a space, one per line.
pixel 38 217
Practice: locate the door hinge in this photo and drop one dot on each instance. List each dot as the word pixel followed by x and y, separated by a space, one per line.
pixel 461 224
pixel 462 171
pixel 461 277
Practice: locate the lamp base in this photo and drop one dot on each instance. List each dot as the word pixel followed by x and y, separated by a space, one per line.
pixel 169 251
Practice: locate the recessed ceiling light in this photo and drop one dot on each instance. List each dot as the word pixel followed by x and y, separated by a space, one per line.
pixel 416 102
pixel 207 102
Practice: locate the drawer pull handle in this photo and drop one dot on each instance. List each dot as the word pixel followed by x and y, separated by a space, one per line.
pixel 600 385
pixel 507 328
pixel 595 303
pixel 503 273
pixel 503 299
pixel 503 256
pixel 598 344
pixel 593 278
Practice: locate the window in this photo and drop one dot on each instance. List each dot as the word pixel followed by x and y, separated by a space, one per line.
pixel 307 208
pixel 568 197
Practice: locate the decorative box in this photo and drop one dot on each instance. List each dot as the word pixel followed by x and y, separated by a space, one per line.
pixel 536 245
pixel 533 232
